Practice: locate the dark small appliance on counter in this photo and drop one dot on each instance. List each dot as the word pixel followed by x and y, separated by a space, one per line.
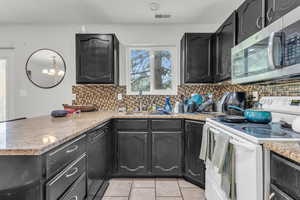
pixel 231 98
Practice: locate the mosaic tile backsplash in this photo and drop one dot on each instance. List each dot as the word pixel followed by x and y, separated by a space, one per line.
pixel 105 96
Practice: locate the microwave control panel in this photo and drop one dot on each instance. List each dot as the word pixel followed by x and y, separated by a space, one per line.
pixel 292 49
pixel 292 44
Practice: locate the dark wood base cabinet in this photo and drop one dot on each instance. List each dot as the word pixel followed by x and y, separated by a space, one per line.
pixel 132 153
pixel 79 169
pixel 155 149
pixel 194 167
pixel 167 148
pixel 21 178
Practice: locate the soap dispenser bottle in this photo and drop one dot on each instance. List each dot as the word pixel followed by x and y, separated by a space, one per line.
pixel 168 106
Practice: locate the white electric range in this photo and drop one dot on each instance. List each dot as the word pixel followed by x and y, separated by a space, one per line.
pixel 252 160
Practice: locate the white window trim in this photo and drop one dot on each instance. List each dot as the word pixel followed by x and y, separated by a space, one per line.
pixel 152 48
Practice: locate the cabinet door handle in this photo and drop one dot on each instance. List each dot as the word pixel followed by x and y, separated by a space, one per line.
pixel 166 170
pixel 132 169
pixel 270 14
pixel 72 149
pixel 272 196
pixel 258 22
pixel 193 174
pixel 72 173
pixel 74 198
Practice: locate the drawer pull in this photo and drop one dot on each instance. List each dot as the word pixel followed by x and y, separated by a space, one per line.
pixel 272 196
pixel 194 174
pixel 73 173
pixel 132 170
pixel 74 198
pixel 72 149
pixel 166 170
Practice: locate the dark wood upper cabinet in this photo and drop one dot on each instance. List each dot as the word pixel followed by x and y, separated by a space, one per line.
pixel 194 167
pixel 196 58
pixel 97 59
pixel 250 19
pixel 225 39
pixel 277 8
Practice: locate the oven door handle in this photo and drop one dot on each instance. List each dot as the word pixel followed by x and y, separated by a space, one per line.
pixel 236 142
pixel 272 45
pixel 215 131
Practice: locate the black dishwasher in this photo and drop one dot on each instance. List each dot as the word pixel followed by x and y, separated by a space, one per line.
pixel 98 160
pixel 285 178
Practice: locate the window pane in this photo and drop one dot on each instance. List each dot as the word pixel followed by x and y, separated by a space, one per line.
pixel 140 70
pixel 162 70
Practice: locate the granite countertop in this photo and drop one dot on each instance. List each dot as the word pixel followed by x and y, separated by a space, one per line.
pixel 289 150
pixel 35 136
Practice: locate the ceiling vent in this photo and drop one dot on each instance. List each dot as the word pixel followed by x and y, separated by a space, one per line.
pixel 162 16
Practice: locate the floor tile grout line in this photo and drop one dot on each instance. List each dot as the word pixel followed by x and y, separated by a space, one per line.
pixel 155 188
pixel 180 190
pixel 130 189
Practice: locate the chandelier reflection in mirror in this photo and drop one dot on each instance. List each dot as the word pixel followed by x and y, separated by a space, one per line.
pixel 45 68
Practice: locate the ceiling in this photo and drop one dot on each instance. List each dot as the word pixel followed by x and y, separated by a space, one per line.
pixel 114 11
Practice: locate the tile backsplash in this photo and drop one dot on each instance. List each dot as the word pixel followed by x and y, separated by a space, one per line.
pixel 105 96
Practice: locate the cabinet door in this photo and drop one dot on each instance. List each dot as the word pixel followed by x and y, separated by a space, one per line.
pixel 250 19
pixel 277 8
pixel 225 41
pixel 132 153
pixel 197 58
pixel 194 167
pixel 167 153
pixel 97 154
pixel 94 58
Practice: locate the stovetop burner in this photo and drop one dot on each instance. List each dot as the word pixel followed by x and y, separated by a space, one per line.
pixel 257 131
pixel 271 130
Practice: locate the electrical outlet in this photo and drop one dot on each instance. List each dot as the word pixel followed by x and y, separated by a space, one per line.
pixel 255 96
pixel 73 97
pixel 120 96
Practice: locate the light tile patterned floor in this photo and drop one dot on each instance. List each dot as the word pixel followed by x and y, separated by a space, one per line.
pixel 152 189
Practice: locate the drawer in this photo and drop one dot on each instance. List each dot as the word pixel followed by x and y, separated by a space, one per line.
pixel 60 157
pixel 132 124
pixel 163 124
pixel 77 191
pixel 58 185
pixel 285 175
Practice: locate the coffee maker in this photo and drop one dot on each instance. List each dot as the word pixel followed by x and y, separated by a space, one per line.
pixel 231 98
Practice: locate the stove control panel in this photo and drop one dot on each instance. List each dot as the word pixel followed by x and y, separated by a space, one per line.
pixel 288 105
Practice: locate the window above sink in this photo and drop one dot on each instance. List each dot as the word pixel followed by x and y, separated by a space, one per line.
pixel 151 69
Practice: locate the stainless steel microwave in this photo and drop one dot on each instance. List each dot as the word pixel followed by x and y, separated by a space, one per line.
pixel 272 53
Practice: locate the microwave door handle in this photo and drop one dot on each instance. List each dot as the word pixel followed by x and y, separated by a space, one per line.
pixel 271 56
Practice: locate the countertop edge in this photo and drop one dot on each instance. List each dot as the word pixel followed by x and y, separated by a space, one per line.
pixel 290 150
pixel 49 147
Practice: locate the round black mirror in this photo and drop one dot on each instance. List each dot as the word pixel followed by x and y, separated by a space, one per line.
pixel 45 68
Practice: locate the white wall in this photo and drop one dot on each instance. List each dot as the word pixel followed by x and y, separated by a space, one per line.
pixel 33 101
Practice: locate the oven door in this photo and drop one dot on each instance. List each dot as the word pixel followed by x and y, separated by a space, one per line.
pixel 257 58
pixel 249 171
